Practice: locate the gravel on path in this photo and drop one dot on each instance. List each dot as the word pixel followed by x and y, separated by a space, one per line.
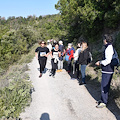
pixel 61 98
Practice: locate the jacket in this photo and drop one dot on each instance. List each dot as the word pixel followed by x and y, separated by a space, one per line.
pixel 70 53
pixel 83 57
pixel 106 60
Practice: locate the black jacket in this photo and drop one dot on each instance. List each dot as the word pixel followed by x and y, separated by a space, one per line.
pixel 83 57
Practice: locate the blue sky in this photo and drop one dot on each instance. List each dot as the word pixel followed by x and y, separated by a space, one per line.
pixel 27 7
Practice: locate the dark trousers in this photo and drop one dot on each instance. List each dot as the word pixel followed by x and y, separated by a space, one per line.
pixel 69 64
pixel 77 68
pixel 105 86
pixel 42 63
pixel 54 66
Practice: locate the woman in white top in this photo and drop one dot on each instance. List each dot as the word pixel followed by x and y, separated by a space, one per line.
pixel 76 55
pixel 55 54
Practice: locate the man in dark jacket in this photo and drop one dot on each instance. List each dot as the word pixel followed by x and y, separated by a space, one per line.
pixel 60 62
pixel 107 70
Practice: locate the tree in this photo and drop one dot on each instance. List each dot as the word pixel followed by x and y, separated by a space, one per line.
pixel 88 17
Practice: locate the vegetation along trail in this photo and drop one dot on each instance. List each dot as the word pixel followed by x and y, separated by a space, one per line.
pixel 61 98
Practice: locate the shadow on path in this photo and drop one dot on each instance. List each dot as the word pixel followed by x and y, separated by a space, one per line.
pixel 45 116
pixel 93 87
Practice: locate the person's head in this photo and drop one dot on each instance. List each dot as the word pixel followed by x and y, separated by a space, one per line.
pixel 54 41
pixel 84 46
pixel 107 39
pixel 78 45
pixel 56 46
pixel 42 43
pixel 69 45
pixel 48 41
pixel 60 42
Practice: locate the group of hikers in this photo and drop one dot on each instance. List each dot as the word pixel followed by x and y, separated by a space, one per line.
pixel 57 52
pixel 80 58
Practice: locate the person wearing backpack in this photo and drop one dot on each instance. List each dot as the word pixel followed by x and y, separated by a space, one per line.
pixel 83 61
pixel 70 53
pixel 60 62
pixel 107 70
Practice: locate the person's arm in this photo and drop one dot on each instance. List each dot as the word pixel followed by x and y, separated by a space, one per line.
pixel 76 53
pixel 36 55
pixel 63 52
pixel 108 56
pixel 59 54
pixel 51 54
pixel 48 52
pixel 71 55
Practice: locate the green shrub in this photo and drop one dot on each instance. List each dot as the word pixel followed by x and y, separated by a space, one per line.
pixel 14 98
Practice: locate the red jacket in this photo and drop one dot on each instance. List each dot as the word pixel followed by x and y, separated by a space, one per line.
pixel 71 54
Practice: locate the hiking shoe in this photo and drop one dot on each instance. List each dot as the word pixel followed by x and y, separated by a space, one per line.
pixel 50 74
pixel 40 75
pixel 101 105
pixel 68 71
pixel 53 76
pixel 82 83
pixel 98 102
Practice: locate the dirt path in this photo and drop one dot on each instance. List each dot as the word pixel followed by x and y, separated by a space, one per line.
pixel 61 98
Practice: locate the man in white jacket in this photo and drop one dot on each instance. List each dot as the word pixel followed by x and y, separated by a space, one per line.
pixel 107 70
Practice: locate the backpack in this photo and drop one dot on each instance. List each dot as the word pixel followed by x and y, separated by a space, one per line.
pixel 90 59
pixel 70 50
pixel 115 59
pixel 66 57
pixel 61 47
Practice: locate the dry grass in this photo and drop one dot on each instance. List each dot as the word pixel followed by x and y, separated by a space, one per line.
pixel 19 67
pixel 94 79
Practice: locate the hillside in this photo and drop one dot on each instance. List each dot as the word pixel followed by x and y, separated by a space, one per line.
pixel 79 20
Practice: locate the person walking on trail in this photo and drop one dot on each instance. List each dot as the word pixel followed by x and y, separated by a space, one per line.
pixel 83 61
pixel 60 62
pixel 107 70
pixel 49 46
pixel 41 54
pixel 75 63
pixel 54 43
pixel 55 54
pixel 70 52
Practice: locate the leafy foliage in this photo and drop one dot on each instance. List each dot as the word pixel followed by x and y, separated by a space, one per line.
pixel 16 96
pixel 17 35
pixel 89 17
pixel 77 18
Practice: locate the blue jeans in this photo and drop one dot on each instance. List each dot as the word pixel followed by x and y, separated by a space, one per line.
pixel 83 69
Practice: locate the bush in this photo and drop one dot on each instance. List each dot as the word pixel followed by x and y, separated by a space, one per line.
pixel 15 97
pixel 17 94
